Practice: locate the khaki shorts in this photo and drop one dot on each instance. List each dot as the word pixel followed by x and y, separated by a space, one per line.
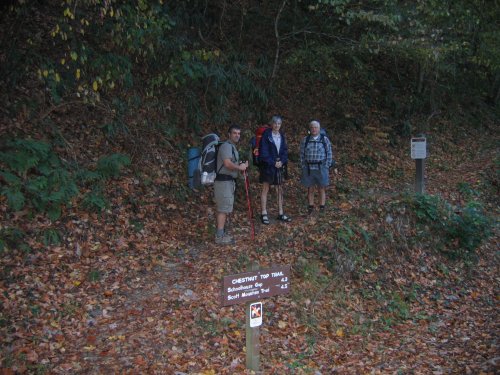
pixel 224 196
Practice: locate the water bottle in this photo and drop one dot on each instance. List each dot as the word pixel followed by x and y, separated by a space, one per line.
pixel 204 177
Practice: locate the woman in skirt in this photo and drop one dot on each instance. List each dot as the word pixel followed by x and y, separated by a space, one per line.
pixel 273 154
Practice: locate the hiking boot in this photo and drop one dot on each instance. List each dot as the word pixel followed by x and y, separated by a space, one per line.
pixel 226 239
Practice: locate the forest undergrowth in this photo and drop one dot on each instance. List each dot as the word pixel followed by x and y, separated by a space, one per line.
pixel 385 281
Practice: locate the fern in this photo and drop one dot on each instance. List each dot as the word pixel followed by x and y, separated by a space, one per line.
pixel 94 201
pixel 111 165
pixel 34 176
pixel 15 198
pixel 24 154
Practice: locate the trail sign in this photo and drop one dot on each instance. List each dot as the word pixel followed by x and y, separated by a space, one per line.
pixel 255 285
pixel 256 314
pixel 418 148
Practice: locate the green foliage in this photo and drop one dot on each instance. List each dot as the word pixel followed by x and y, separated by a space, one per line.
pixel 399 307
pixel 94 201
pixel 470 227
pixel 34 174
pixel 51 237
pixel 94 275
pixel 110 166
pixel 35 177
pixel 459 232
pixel 466 191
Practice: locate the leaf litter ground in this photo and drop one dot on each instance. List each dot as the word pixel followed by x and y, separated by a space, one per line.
pixel 137 288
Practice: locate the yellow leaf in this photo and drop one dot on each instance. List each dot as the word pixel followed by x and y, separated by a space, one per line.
pixel 63 61
pixel 340 332
pixel 150 319
pixel 77 74
pixel 58 78
pixel 89 348
pixel 73 55
pixel 95 86
pixel 282 324
pixel 45 73
pixel 76 283
pixel 54 324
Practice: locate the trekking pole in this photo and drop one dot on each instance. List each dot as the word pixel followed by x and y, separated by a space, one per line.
pixel 250 213
pixel 279 178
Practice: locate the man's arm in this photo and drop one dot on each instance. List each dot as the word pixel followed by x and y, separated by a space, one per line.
pixel 233 166
pixel 329 153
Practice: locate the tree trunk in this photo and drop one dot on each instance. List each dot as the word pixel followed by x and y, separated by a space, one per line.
pixel 276 33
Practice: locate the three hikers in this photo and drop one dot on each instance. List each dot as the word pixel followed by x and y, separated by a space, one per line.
pixel 316 158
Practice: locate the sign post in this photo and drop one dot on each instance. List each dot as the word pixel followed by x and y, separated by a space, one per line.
pixel 249 287
pixel 419 153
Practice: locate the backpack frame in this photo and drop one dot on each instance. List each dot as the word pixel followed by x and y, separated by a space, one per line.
pixel 255 144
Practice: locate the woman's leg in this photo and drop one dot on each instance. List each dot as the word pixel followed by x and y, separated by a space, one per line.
pixel 263 198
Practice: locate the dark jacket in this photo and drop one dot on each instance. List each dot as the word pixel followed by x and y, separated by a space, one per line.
pixel 269 154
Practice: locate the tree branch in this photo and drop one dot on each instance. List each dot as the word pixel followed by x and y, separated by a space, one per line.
pixel 276 33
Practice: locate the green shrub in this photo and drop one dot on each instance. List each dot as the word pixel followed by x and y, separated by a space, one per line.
pixel 457 232
pixel 469 227
pixel 94 201
pixel 35 177
pixel 110 166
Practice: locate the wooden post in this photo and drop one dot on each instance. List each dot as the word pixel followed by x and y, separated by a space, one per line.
pixel 419 153
pixel 252 336
pixel 420 176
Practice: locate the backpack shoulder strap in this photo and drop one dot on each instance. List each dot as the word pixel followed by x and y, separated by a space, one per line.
pixel 308 138
pixel 233 148
pixel 323 140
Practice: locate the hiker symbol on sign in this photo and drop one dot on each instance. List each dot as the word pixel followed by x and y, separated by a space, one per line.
pixel 256 314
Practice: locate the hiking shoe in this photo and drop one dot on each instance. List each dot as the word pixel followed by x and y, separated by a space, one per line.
pixel 226 239
pixel 322 208
pixel 310 209
pixel 284 218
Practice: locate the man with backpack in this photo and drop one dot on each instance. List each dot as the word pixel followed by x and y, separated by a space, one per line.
pixel 316 158
pixel 228 166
